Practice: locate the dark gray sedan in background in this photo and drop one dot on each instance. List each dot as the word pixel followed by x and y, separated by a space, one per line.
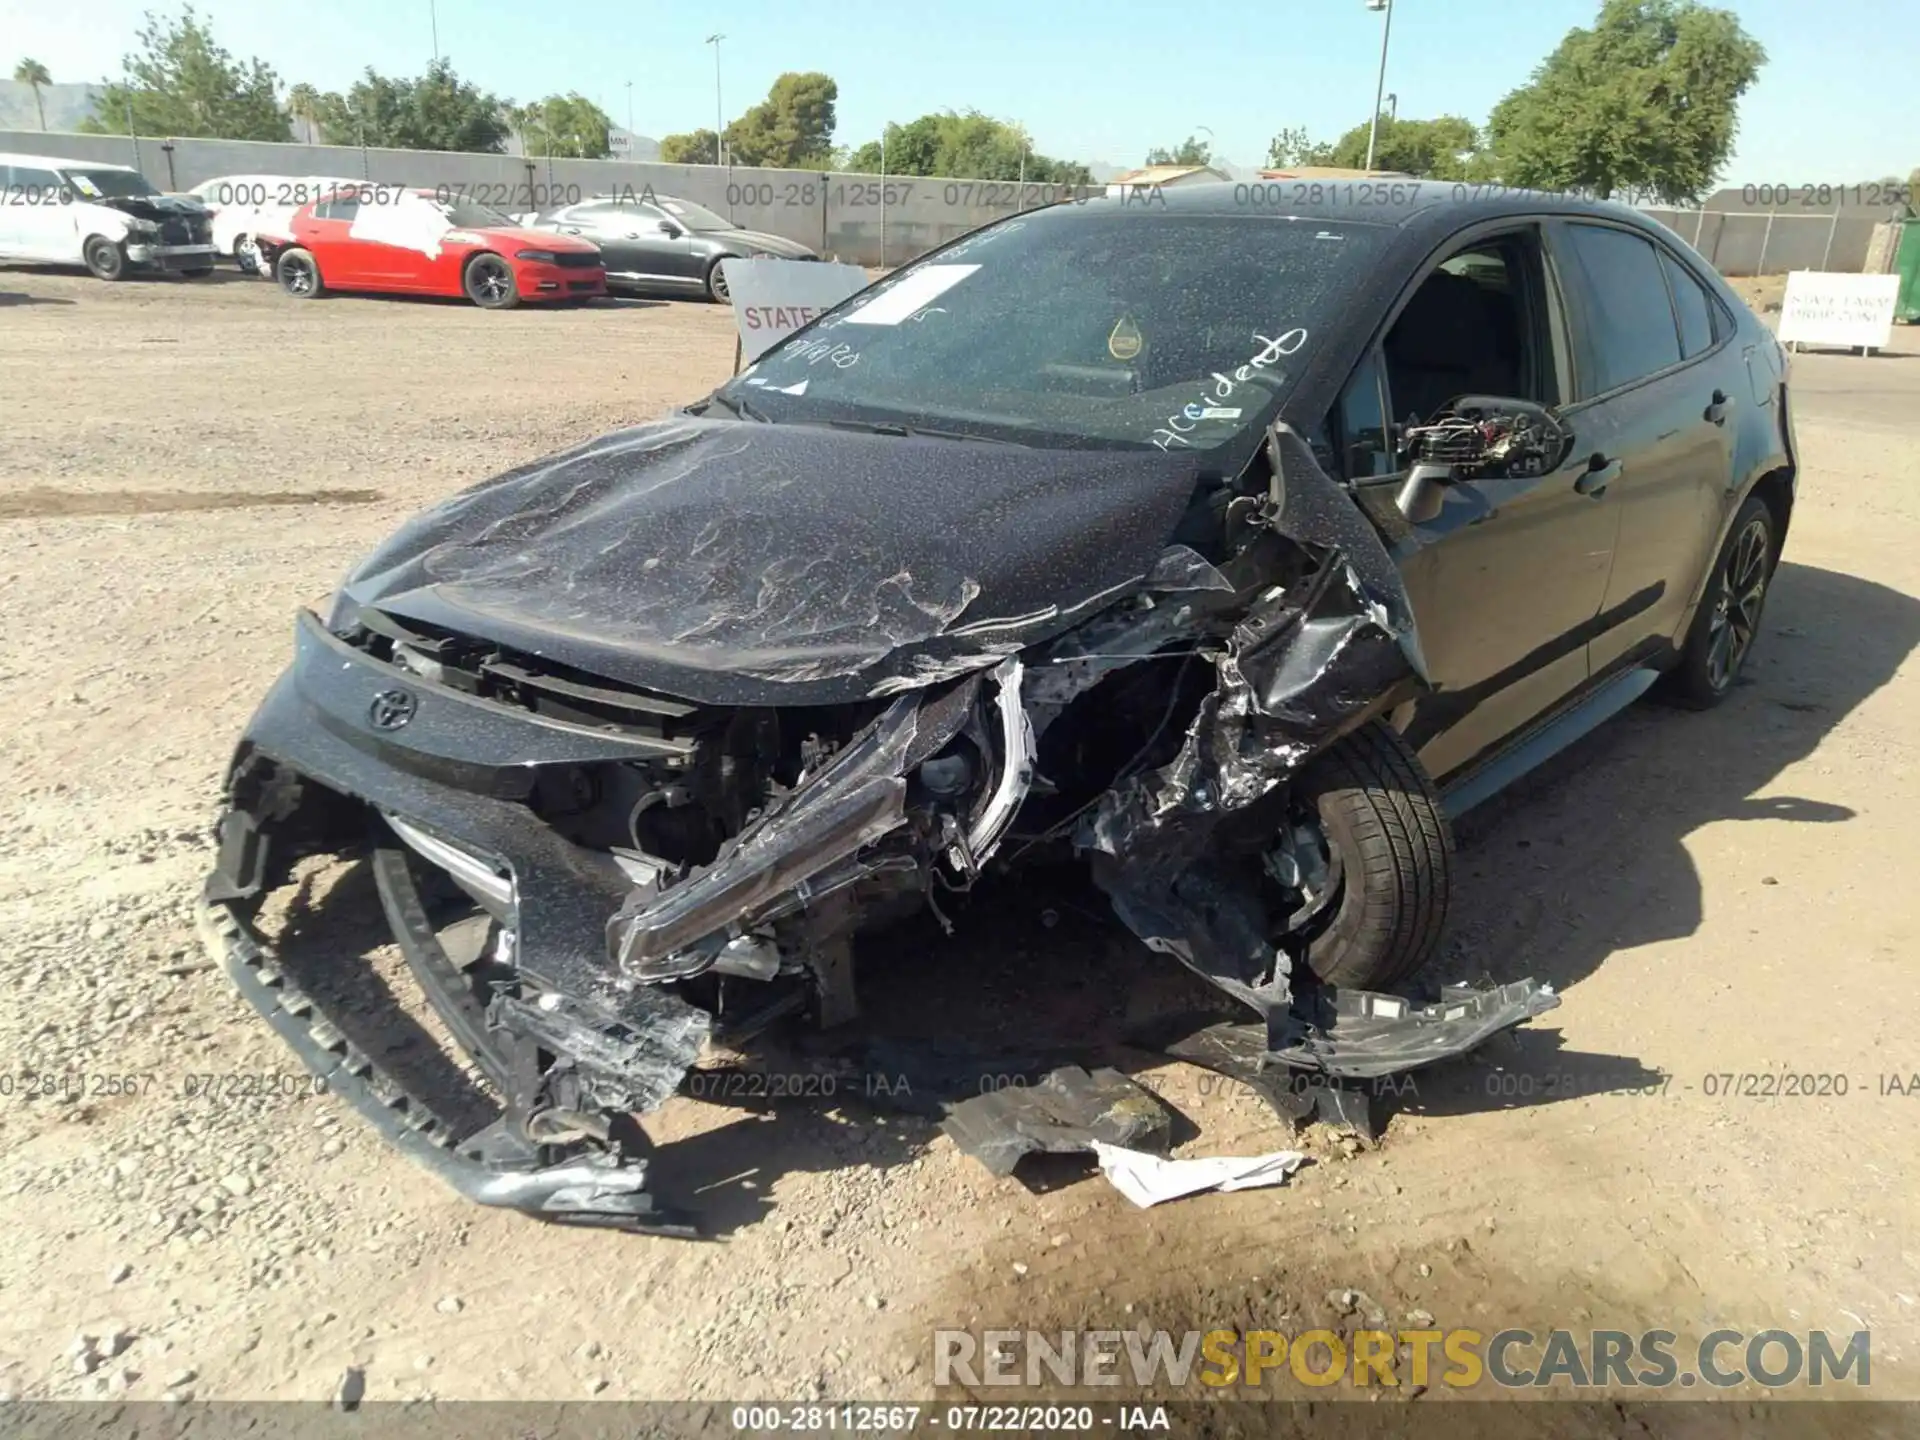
pixel 655 242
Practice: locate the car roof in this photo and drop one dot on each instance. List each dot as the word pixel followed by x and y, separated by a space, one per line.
pixel 64 162
pixel 1404 204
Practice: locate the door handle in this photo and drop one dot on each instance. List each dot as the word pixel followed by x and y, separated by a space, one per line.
pixel 1600 473
pixel 569 229
pixel 1717 411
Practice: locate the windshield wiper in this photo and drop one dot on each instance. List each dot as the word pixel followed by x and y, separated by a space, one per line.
pixel 739 406
pixel 889 427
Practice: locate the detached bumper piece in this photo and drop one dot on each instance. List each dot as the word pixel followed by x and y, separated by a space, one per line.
pixel 597 1190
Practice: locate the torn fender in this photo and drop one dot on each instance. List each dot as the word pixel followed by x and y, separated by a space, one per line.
pixel 1307 663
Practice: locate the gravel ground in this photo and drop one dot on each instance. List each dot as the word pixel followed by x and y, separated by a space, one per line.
pixel 1715 894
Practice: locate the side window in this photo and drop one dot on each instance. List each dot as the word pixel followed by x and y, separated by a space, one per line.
pixel 1691 304
pixel 1630 326
pixel 1473 327
pixel 343 205
pixel 1361 424
pixel 27 186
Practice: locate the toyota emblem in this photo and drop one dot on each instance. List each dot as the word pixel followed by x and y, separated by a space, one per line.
pixel 392 709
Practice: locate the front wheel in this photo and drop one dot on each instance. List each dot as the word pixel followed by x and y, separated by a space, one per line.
pixel 105 258
pixel 299 274
pixel 1728 621
pixel 1364 863
pixel 246 255
pixel 490 283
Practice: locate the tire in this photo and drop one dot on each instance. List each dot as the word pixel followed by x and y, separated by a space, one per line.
pixel 1390 850
pixel 489 282
pixel 717 283
pixel 105 259
pixel 246 255
pixel 1728 620
pixel 299 274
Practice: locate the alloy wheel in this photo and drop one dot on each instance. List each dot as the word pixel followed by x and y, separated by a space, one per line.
pixel 1736 607
pixel 491 281
pixel 297 275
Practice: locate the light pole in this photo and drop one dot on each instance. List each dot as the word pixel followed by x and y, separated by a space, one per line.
pixel 433 23
pixel 714 41
pixel 1393 106
pixel 1380 86
pixel 629 109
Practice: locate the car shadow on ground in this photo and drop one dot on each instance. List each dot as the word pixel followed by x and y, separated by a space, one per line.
pixel 460 302
pixel 19 297
pixel 1587 855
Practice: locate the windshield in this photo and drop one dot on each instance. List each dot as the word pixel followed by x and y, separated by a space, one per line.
pixel 115 184
pixel 694 217
pixel 470 214
pixel 1068 328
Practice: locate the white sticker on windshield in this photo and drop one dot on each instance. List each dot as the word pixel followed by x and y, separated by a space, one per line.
pixel 909 295
pixel 799 388
pixel 84 185
pixel 1217 412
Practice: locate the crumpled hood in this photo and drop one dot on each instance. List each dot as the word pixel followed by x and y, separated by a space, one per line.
pixel 731 562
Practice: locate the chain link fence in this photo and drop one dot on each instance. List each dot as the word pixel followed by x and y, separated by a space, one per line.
pixel 1773 242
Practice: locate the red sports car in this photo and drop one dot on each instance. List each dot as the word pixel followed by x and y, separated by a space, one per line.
pixel 390 239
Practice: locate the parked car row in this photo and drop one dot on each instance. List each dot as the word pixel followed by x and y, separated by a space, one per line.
pixel 320 233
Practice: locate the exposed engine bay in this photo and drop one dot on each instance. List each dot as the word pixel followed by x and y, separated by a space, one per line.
pixel 661 795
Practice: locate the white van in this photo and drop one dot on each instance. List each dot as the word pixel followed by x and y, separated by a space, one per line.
pixel 109 218
pixel 245 207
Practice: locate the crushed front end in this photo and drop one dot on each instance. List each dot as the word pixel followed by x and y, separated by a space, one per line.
pixel 592 880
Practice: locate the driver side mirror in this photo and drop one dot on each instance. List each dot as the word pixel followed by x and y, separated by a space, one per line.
pixel 671 230
pixel 1475 437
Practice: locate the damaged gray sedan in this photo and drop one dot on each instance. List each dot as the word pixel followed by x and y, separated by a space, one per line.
pixel 1230 547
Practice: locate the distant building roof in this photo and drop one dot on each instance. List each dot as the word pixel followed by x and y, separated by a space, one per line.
pixel 1169 175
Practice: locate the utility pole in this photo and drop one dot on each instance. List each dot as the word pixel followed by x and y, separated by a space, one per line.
pixel 1380 86
pixel 714 41
pixel 433 21
pixel 629 112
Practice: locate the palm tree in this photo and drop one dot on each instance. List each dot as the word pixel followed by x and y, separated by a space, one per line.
pixel 32 72
pixel 303 100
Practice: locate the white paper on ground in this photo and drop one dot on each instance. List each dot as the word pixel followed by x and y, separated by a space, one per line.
pixel 1148 1179
pixel 913 292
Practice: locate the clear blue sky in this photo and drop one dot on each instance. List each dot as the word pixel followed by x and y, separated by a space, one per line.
pixel 1105 81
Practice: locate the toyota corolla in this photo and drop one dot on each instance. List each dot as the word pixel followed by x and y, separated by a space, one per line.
pixel 1231 548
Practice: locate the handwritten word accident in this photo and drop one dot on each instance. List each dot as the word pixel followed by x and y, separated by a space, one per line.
pixel 1182 424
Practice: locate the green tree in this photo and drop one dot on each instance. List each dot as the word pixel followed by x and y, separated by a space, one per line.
pixel 1291 149
pixel 182 83
pixel 1441 148
pixel 969 146
pixel 33 73
pixel 700 147
pixel 303 102
pixel 570 126
pixel 437 111
pixel 792 128
pixel 1190 151
pixel 1644 101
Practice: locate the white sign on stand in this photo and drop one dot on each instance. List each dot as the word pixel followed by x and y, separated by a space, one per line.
pixel 1851 311
pixel 774 298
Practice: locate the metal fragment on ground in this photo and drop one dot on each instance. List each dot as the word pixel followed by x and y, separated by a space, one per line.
pixel 1069 1110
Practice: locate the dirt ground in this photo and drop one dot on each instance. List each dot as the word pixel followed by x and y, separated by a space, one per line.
pixel 1716 895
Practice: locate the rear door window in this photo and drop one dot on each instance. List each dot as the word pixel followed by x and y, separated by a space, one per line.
pixel 1693 307
pixel 1631 332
